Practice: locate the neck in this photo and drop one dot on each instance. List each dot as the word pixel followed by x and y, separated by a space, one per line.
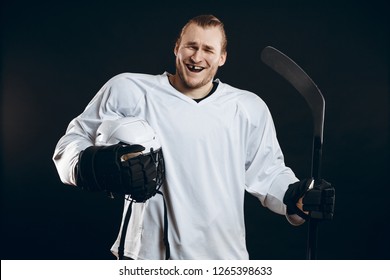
pixel 194 93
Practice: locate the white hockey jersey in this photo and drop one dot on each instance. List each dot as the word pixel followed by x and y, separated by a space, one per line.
pixel 214 151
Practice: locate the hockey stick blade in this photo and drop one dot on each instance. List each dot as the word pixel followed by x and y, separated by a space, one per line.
pixel 298 78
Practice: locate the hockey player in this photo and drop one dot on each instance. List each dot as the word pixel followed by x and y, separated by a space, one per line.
pixel 218 141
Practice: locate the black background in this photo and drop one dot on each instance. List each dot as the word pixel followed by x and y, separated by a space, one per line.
pixel 56 56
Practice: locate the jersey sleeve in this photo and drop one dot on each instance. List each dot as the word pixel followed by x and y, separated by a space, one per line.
pixel 117 98
pixel 267 176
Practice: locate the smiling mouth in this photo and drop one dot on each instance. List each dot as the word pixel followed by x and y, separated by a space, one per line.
pixel 194 68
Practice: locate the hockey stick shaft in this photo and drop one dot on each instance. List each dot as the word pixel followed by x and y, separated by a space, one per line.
pixel 298 78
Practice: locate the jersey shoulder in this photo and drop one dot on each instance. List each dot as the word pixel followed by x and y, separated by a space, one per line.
pixel 135 78
pixel 245 99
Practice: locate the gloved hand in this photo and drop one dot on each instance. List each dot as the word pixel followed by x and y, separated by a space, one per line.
pixel 318 199
pixel 101 168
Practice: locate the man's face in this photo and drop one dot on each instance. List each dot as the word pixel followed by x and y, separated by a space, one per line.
pixel 198 56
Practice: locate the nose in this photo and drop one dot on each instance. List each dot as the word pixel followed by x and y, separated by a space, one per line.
pixel 196 57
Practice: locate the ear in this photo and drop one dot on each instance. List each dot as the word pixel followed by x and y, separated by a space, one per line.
pixel 175 49
pixel 222 59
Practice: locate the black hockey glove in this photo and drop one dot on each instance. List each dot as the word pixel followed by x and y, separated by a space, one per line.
pixel 101 168
pixel 318 201
pixel 146 172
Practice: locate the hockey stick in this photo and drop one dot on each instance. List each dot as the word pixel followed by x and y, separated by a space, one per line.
pixel 298 78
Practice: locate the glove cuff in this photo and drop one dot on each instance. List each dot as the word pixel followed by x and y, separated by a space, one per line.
pixel 85 172
pixel 294 192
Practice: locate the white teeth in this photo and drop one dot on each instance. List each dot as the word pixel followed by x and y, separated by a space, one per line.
pixel 196 68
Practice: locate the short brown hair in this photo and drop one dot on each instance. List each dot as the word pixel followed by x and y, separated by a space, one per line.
pixel 205 21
